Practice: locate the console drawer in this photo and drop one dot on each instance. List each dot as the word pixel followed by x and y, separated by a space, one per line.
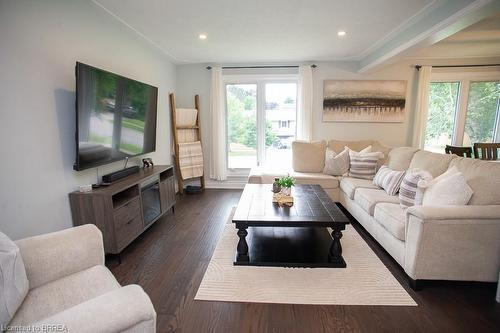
pixel 128 223
pixel 124 213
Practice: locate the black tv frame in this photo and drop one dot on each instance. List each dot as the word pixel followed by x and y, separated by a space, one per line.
pixel 76 165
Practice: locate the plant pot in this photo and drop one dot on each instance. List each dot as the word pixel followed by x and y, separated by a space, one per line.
pixel 286 190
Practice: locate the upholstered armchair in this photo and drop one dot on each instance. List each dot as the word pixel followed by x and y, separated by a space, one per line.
pixel 70 288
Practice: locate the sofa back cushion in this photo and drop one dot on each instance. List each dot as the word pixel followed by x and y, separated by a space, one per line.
pixel 483 177
pixel 434 163
pixel 308 156
pixel 399 158
pixel 13 280
pixel 339 145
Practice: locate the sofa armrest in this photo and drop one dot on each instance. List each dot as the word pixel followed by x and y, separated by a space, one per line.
pixel 453 243
pixel 489 213
pixel 52 256
pixel 127 309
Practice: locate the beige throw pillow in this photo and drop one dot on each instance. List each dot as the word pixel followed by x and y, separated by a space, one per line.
pixel 308 156
pixel 450 188
pixel 13 281
pixel 336 164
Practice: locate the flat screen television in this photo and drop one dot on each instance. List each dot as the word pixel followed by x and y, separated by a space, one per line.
pixel 115 117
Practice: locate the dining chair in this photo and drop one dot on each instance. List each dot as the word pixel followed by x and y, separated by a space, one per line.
pixel 486 151
pixel 457 150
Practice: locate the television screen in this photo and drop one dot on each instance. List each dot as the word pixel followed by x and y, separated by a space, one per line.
pixel 116 117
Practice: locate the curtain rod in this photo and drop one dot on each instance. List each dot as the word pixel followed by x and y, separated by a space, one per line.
pixel 258 67
pixel 451 66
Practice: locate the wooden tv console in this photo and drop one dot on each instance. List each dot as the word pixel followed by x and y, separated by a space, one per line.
pixel 126 208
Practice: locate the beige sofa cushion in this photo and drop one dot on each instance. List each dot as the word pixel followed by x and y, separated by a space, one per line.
pixel 392 217
pixel 483 177
pixel 264 175
pixel 59 295
pixel 377 146
pixel 368 198
pixel 349 185
pixel 435 163
pixel 124 310
pixel 315 178
pixel 13 281
pixel 399 158
pixel 339 145
pixel 308 156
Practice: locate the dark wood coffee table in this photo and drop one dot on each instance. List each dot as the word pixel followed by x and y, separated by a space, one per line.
pixel 297 236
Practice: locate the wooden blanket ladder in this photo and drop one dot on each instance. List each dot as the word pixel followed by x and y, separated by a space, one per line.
pixel 187 143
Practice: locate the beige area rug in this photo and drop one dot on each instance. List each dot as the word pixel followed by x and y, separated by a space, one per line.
pixel 365 281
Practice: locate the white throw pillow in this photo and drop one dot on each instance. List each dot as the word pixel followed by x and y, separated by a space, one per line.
pixel 336 164
pixel 450 188
pixel 388 179
pixel 13 281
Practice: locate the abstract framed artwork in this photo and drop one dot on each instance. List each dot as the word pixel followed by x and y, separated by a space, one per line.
pixel 364 101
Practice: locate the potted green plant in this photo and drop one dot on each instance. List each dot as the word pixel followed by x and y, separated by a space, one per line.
pixel 286 184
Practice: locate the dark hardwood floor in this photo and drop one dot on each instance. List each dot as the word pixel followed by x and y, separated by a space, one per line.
pixel 169 261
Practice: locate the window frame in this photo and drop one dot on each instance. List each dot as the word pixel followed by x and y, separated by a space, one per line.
pixel 464 79
pixel 260 80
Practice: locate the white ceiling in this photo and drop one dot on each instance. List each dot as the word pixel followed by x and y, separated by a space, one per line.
pixel 242 31
pixel 481 39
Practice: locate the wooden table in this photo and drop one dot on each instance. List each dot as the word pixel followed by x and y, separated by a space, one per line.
pixel 297 236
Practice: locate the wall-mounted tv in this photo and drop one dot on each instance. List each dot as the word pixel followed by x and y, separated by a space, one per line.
pixel 115 117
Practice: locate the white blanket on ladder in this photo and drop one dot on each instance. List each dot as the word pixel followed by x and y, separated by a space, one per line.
pixel 191 159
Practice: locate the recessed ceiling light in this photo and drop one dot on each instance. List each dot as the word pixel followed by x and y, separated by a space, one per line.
pixel 341 33
pixel 202 36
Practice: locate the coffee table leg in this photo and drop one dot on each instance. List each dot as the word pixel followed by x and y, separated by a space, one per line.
pixel 335 254
pixel 242 248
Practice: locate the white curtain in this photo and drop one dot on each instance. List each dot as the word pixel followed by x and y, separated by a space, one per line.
pixel 218 126
pixel 305 103
pixel 421 106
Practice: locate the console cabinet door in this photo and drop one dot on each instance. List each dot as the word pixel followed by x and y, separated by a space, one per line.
pixel 167 193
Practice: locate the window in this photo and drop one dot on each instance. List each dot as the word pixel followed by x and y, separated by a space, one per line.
pixel 463 109
pixel 443 99
pixel 482 112
pixel 261 118
pixel 241 104
pixel 279 138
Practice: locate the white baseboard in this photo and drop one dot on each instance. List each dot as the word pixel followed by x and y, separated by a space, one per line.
pixel 227 184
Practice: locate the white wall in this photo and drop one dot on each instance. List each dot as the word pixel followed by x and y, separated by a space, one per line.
pixel 40 42
pixel 393 134
pixel 195 79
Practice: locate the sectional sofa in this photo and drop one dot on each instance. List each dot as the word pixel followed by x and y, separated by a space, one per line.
pixel 429 242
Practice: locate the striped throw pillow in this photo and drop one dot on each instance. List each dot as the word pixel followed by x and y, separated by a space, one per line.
pixel 388 179
pixel 409 192
pixel 363 165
